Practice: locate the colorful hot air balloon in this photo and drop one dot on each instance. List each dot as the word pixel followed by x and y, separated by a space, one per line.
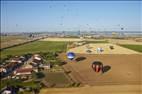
pixel 97 66
pixel 70 55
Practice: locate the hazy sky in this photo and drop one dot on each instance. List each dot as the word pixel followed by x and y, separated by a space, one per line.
pixel 29 16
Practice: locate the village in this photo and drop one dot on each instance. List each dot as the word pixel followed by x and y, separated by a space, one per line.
pixel 31 69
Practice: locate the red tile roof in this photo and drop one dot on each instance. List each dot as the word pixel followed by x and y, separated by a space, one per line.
pixel 24 70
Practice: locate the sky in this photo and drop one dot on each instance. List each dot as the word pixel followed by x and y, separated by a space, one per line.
pixel 39 16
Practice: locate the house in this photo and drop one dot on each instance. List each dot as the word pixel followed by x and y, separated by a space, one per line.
pixel 14 62
pixel 7 92
pixel 23 73
pixel 18 59
pixel 37 58
pixel 3 71
pixel 45 66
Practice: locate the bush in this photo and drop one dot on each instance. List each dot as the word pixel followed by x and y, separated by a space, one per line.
pixel 40 75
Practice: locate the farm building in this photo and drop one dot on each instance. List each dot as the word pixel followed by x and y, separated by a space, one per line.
pixel 45 66
pixel 23 73
pixel 36 60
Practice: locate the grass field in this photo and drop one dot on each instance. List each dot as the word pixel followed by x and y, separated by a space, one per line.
pixel 16 82
pixel 137 48
pixel 59 79
pixel 35 47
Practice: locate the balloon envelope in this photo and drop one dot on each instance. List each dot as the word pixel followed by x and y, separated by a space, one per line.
pixel 97 66
pixel 122 28
pixel 70 55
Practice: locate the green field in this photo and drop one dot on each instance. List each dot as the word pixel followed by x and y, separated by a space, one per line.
pixel 57 78
pixel 137 48
pixel 17 82
pixel 35 47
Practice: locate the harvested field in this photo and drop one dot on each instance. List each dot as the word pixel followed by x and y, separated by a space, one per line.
pixel 71 39
pixel 61 39
pixel 111 89
pixel 105 46
pixel 124 41
pixel 7 41
pixel 125 69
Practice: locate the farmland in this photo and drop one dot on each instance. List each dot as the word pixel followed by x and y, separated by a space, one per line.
pixel 111 89
pixel 130 66
pixel 133 47
pixel 17 82
pixel 120 58
pixel 35 47
pixel 7 41
pixel 57 79
pixel 106 50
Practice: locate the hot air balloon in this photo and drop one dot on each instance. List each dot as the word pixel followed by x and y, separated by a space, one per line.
pixel 97 66
pixel 70 55
pixel 122 28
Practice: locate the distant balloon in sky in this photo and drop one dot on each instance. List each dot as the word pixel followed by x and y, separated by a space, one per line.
pixel 16 25
pixel 64 5
pixel 122 28
pixel 70 55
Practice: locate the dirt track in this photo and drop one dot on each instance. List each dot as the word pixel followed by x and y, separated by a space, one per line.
pixel 125 69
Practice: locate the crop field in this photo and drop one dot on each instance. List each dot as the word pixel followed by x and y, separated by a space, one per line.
pixel 137 48
pixel 124 69
pixel 126 41
pixel 58 79
pixel 17 82
pixel 7 41
pixel 35 47
pixel 76 39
